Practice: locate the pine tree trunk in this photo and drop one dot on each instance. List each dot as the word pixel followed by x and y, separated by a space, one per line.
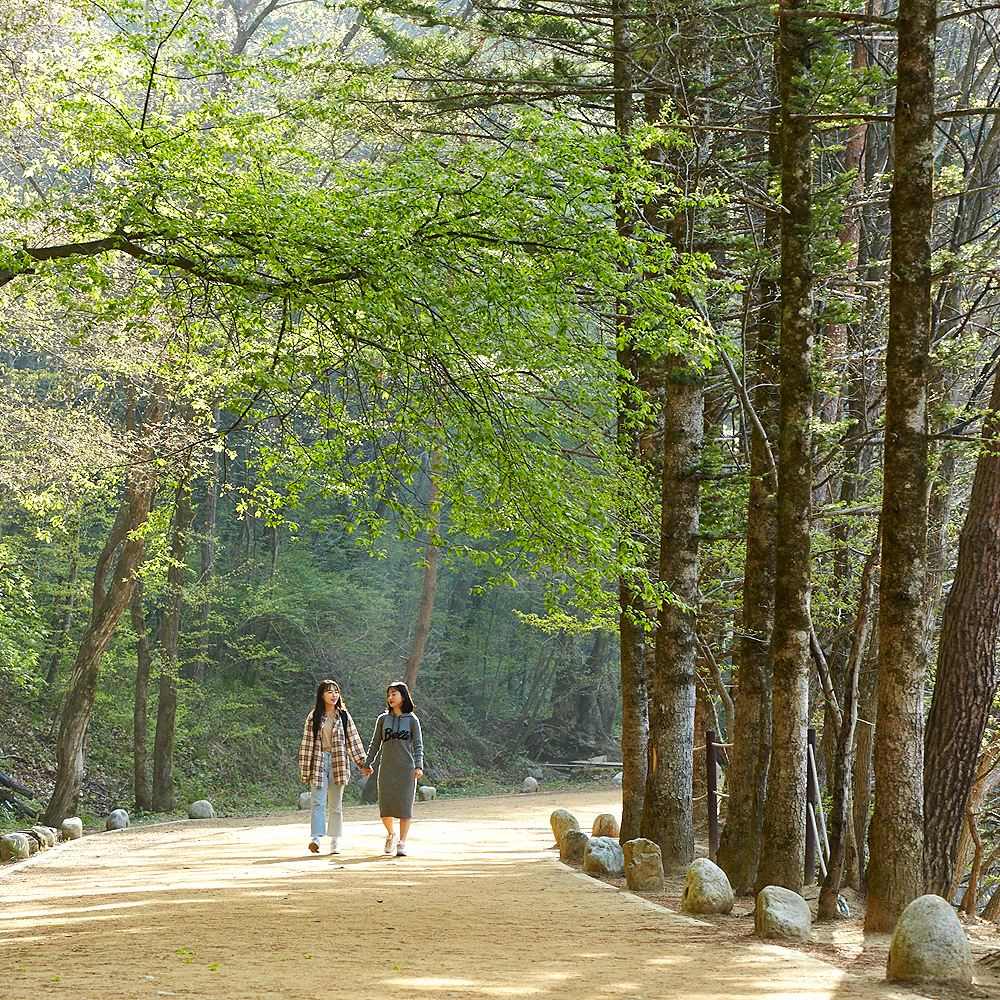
pixel 895 836
pixel 739 842
pixel 966 677
pixel 782 857
pixel 666 814
pixel 635 717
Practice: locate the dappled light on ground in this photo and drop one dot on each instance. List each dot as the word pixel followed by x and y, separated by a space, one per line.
pixel 240 910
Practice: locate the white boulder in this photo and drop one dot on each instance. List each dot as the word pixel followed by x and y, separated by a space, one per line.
pixel 305 800
pixel 706 889
pixel 783 914
pixel 643 865
pixel 606 825
pixel 71 828
pixel 45 834
pixel 202 809
pixel 929 944
pixel 529 784
pixel 603 856
pixel 15 847
pixel 117 820
pixel 573 846
pixel 426 792
pixel 561 821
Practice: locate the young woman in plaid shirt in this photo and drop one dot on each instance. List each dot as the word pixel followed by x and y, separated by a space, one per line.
pixel 328 736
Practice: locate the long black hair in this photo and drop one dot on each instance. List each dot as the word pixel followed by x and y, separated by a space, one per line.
pixel 399 686
pixel 320 708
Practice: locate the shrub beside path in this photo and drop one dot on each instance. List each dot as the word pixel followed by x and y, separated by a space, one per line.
pixel 238 909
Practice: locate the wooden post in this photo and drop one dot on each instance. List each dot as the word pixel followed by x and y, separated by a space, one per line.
pixel 812 797
pixel 713 799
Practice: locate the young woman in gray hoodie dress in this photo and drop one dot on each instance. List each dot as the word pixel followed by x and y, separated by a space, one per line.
pixel 397 738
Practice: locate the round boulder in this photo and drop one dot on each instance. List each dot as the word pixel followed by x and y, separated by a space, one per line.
pixel 117 820
pixel 603 856
pixel 929 945
pixel 617 779
pixel 15 847
pixel 202 809
pixel 706 889
pixel 426 792
pixel 71 828
pixel 562 820
pixel 529 784
pixel 782 914
pixel 643 865
pixel 606 825
pixel 305 800
pixel 572 846
pixel 45 834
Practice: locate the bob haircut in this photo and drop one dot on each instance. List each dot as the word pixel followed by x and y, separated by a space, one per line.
pixel 319 709
pixel 399 686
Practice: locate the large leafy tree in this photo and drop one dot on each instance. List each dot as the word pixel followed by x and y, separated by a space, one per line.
pixel 365 309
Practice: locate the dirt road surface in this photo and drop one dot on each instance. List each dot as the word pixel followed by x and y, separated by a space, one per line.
pixel 238 909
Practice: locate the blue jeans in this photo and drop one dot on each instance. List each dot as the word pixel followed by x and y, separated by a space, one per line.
pixel 327 804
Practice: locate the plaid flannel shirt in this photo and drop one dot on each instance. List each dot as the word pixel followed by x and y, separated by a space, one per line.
pixel 311 752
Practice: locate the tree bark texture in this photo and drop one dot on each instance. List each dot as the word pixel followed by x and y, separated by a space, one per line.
pixel 966 677
pixel 666 815
pixel 782 857
pixel 110 601
pixel 749 758
pixel 895 836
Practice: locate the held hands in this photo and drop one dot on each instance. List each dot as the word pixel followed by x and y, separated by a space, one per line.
pixel 417 771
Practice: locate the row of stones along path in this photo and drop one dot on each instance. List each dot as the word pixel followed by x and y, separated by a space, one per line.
pixel 238 909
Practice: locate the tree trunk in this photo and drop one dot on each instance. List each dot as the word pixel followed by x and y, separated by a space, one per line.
pixel 140 711
pixel 110 602
pixel 782 857
pixel 895 837
pixel 635 717
pixel 666 814
pixel 965 679
pixel 864 742
pixel 166 707
pixel 205 578
pixel 62 618
pixel 431 554
pixel 986 780
pixel 739 842
pixel 840 808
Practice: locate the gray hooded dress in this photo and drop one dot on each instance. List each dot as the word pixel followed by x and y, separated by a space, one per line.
pixel 398 738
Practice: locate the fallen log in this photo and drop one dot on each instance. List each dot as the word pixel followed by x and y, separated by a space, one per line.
pixel 22 808
pixel 9 782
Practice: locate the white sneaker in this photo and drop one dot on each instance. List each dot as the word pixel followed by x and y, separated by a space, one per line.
pixel 390 843
pixel 335 847
pixel 314 845
pixel 401 849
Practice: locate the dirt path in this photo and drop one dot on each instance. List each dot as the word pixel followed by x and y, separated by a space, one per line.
pixel 239 910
